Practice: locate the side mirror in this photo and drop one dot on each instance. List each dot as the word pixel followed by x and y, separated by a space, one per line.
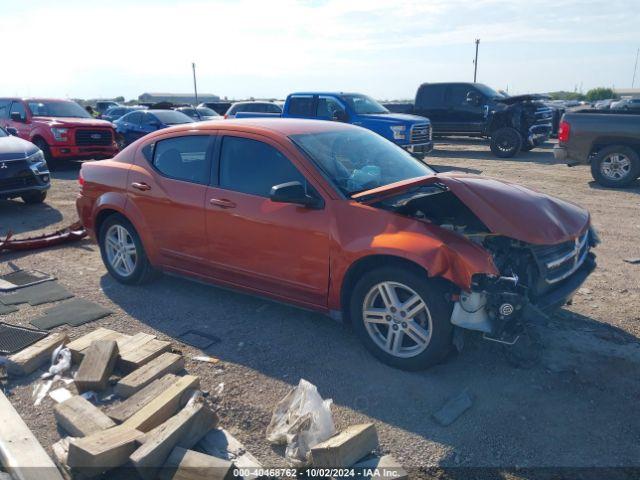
pixel 294 192
pixel 12 131
pixel 339 116
pixel 17 117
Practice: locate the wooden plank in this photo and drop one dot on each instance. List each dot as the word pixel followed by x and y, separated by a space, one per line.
pixel 79 345
pixel 184 429
pixel 143 376
pixel 140 350
pixel 97 364
pixel 346 448
pixel 80 418
pixel 103 450
pixel 31 358
pixel 220 443
pixel 60 456
pixel 163 406
pixel 185 464
pixel 20 453
pixel 131 405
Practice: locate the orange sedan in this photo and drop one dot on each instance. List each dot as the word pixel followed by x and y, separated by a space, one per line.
pixel 335 218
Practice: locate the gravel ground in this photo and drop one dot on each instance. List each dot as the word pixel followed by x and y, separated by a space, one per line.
pixel 578 407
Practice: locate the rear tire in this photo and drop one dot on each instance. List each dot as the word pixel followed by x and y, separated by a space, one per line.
pixel 34 198
pixel 123 253
pixel 506 142
pixel 615 166
pixel 413 336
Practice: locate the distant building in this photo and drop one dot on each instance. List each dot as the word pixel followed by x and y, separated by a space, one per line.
pixel 627 92
pixel 177 97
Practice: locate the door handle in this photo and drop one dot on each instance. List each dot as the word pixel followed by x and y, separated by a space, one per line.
pixel 222 203
pixel 141 186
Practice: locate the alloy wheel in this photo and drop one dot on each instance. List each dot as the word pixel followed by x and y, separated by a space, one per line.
pixel 397 319
pixel 615 166
pixel 121 250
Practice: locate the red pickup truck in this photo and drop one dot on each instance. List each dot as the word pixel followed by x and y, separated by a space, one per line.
pixel 62 129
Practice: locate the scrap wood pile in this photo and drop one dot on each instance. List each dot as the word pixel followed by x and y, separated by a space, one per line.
pixel 165 426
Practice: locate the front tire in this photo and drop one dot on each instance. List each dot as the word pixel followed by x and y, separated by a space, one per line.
pixel 34 198
pixel 615 166
pixel 506 142
pixel 122 252
pixel 402 317
pixel 46 151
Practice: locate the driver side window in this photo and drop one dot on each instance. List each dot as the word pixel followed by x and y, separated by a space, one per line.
pixel 18 107
pixel 328 108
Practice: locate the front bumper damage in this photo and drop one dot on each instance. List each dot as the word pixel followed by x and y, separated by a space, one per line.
pixel 500 307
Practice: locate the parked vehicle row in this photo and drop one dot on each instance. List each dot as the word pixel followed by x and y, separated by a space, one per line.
pixel 335 218
pixel 134 125
pixel 411 132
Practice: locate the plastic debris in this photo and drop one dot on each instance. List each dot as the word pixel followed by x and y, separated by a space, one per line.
pixel 301 420
pixel 59 395
pixel 60 362
pixel 90 395
pixel 206 359
pixel 40 391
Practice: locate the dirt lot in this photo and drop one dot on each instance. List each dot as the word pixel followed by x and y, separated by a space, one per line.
pixel 579 407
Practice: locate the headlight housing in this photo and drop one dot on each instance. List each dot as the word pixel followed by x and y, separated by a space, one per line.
pixel 37 163
pixel 60 134
pixel 399 132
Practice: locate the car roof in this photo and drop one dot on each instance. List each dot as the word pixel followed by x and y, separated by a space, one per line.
pixel 326 93
pixel 246 102
pixel 282 127
pixel 38 99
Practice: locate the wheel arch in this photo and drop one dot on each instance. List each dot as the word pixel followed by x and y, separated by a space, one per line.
pixel 366 264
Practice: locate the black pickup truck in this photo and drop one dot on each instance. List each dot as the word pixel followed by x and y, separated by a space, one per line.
pixel 608 140
pixel 512 124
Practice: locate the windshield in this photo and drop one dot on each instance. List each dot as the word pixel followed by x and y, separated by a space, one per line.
pixel 488 91
pixel 207 112
pixel 358 160
pixel 171 117
pixel 363 104
pixel 55 108
pixel 189 111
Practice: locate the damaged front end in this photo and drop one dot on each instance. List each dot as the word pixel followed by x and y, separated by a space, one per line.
pixel 541 247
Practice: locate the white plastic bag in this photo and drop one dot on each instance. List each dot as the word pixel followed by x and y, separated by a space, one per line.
pixel 301 420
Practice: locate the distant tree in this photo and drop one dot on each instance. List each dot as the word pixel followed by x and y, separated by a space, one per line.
pixel 119 99
pixel 564 95
pixel 600 93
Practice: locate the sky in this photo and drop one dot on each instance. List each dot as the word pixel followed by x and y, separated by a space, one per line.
pixel 269 48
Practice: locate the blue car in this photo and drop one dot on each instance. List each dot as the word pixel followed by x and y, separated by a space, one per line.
pixel 135 125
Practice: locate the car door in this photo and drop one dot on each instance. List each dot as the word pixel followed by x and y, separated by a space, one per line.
pixel 330 108
pixel 150 123
pixel 430 103
pixel 167 186
pixel 130 126
pixel 464 116
pixel 275 248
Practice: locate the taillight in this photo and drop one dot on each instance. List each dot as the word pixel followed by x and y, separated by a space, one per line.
pixel 81 179
pixel 563 131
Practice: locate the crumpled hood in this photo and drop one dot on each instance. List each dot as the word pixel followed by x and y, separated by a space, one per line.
pixel 14 148
pixel 74 122
pixel 505 208
pixel 396 117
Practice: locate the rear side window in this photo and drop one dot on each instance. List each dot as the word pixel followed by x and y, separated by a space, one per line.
pixel 301 105
pixel 253 167
pixel 184 158
pixel 430 96
pixel 4 108
pixel 273 108
pixel 458 94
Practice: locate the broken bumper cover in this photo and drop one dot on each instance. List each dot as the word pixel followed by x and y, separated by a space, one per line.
pixel 564 290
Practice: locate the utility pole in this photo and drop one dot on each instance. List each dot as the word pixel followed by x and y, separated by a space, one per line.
pixel 195 86
pixel 635 67
pixel 475 62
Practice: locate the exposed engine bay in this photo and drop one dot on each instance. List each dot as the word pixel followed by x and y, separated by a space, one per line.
pixel 533 278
